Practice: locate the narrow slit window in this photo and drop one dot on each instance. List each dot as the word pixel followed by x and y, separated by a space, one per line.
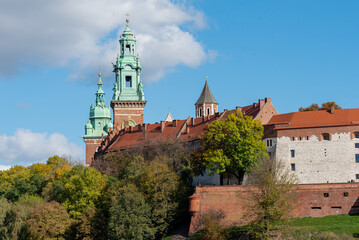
pixel 292 153
pixel 128 81
pixel 357 158
pixel 207 111
pixel 200 112
pixel 292 166
pixel 326 194
pixel 346 194
pixel 317 208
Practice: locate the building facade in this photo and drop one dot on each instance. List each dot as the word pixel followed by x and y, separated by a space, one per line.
pixel 318 146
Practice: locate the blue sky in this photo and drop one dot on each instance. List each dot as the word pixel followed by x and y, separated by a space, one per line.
pixel 295 52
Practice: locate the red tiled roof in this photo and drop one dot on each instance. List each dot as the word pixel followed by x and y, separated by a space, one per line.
pixel 184 131
pixel 322 118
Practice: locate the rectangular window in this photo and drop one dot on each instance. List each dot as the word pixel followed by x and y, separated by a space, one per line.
pixel 356 176
pixel 292 166
pixel 128 81
pixel 357 158
pixel 357 145
pixel 292 153
pixel 326 194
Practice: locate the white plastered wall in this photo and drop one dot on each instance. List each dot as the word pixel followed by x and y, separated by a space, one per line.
pixel 317 161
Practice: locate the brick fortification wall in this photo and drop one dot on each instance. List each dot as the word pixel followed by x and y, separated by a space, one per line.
pixel 312 200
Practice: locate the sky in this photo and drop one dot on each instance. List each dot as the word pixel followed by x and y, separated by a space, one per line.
pixel 295 52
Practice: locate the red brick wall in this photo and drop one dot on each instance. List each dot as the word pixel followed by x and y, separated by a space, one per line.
pixel 91 146
pixel 267 110
pixel 233 201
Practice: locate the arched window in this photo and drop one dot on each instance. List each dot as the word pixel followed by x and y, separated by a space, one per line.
pixel 207 111
pixel 200 112
pixel 325 136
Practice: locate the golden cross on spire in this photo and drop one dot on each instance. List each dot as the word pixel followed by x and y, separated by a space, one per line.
pixel 128 18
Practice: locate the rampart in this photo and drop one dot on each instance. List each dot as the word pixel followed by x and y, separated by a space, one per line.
pixel 311 200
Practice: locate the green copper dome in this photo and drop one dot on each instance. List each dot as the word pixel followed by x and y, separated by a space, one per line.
pixel 100 116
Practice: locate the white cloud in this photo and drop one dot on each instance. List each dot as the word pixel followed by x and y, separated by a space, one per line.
pixel 2 167
pixel 79 34
pixel 27 147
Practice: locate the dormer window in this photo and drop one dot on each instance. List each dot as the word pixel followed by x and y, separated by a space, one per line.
pixel 325 136
pixel 355 135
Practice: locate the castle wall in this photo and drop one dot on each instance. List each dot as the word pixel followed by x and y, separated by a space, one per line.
pixel 317 160
pixel 310 201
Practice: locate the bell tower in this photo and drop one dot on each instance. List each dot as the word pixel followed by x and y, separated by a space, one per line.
pixel 128 99
pixel 206 104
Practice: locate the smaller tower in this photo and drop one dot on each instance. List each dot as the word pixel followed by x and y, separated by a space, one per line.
pixel 206 104
pixel 99 124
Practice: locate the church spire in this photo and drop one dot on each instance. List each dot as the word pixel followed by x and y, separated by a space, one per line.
pixel 206 103
pixel 100 95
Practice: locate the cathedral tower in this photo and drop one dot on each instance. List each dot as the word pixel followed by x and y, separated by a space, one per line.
pixel 99 124
pixel 206 104
pixel 128 98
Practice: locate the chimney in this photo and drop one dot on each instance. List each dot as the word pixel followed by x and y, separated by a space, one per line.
pixel 144 127
pixel 163 124
pixel 267 100
pixel 239 108
pixel 174 123
pixel 261 103
pixel 187 129
pixel 139 127
pixel 332 110
pixel 192 119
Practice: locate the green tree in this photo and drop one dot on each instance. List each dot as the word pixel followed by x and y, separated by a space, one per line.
pixel 48 221
pixel 14 215
pixel 272 198
pixel 130 215
pixel 164 190
pixel 325 106
pixel 232 146
pixel 79 189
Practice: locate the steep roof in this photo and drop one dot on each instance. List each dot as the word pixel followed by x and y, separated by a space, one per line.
pixel 206 96
pixel 182 130
pixel 323 118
